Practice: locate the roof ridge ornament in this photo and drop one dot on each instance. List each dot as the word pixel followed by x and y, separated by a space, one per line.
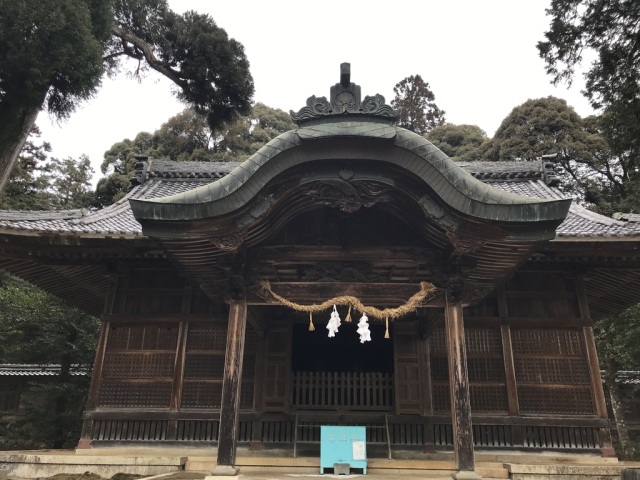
pixel 345 100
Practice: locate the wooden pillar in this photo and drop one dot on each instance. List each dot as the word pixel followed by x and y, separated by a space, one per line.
pixel 597 386
pixel 96 374
pixel 459 389
pixel 509 364
pixel 231 382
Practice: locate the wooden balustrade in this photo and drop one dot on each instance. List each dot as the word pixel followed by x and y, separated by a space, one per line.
pixel 342 390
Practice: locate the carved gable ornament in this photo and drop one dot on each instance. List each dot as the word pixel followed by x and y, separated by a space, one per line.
pixel 345 100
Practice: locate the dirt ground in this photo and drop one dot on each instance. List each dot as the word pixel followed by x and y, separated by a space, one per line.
pixel 91 476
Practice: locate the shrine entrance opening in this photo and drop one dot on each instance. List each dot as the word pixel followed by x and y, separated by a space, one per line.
pixel 340 373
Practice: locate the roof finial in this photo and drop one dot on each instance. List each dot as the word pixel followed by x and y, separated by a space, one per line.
pixel 345 102
pixel 345 74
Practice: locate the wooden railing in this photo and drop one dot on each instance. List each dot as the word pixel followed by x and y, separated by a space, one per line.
pixel 344 390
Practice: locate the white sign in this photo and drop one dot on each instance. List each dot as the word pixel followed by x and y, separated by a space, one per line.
pixel 359 452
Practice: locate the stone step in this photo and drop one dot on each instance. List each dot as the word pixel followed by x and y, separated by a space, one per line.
pixel 545 458
pixel 492 472
pixel 564 472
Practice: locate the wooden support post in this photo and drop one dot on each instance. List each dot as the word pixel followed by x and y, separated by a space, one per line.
pixel 600 405
pixel 231 382
pixel 96 374
pixel 597 387
pixel 511 383
pixel 459 389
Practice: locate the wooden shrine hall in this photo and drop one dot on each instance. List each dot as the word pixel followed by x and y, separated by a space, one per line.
pixel 194 274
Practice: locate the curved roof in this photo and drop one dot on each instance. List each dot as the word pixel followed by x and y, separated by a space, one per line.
pixel 164 178
pixel 358 142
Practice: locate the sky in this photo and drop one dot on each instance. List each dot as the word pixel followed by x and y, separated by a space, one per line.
pixel 479 57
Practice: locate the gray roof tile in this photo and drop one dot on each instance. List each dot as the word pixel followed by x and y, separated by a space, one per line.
pixel 165 178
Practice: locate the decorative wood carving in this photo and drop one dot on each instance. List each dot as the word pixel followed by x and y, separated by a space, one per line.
pixel 339 272
pixel 349 197
pixel 230 242
pixel 464 245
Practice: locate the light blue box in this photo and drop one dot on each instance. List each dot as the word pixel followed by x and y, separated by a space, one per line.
pixel 343 445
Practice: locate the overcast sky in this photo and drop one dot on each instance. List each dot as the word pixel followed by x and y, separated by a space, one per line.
pixel 479 57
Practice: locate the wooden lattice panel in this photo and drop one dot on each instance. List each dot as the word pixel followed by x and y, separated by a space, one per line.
pixel 488 398
pixel 207 337
pixel 138 365
pixel 552 371
pixel 439 369
pixel 438 342
pixel 566 371
pixel 116 393
pixel 558 400
pixel 139 337
pixel 201 394
pixel 530 341
pixel 246 394
pixel 483 341
pixel 441 398
pixel 485 368
pixel 204 366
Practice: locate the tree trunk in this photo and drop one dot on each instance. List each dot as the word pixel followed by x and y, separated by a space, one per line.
pixel 626 447
pixel 16 121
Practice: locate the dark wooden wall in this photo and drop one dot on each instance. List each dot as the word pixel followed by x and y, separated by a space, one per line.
pixel 531 362
pixel 158 369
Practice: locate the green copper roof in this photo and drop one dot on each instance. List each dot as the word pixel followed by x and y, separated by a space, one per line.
pixel 360 141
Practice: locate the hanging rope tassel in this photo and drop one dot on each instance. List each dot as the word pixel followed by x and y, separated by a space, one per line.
pixel 311 326
pixel 347 319
pixel 386 332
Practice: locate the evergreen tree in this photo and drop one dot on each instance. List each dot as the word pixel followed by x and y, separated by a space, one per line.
pixel 418 110
pixel 188 137
pixel 462 143
pixel 37 328
pixel 54 54
pixel 43 183
pixel 605 32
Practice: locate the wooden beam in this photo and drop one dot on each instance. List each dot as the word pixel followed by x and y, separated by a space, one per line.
pixel 459 388
pixel 231 384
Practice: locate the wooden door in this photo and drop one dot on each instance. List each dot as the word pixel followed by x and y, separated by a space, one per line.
pixel 408 376
pixel 277 377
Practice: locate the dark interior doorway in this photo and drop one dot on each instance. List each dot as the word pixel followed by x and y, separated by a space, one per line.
pixel 316 352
